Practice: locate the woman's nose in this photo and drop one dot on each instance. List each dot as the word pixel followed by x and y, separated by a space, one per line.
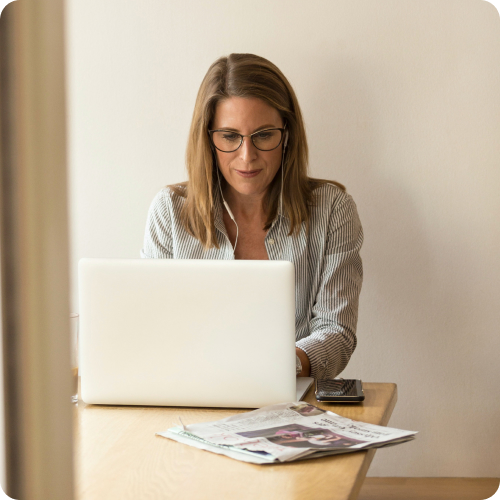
pixel 248 150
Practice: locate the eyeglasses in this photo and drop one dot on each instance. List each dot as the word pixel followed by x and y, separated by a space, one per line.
pixel 228 141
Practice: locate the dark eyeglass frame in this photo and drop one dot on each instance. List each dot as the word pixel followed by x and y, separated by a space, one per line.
pixel 210 133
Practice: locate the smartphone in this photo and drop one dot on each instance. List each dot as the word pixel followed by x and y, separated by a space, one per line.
pixel 339 390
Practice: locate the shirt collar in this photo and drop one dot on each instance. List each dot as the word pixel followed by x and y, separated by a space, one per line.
pixel 218 213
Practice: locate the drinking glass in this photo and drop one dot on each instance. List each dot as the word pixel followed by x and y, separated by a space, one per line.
pixel 74 320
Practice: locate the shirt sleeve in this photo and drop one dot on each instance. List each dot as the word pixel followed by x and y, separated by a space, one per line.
pixel 158 234
pixel 332 327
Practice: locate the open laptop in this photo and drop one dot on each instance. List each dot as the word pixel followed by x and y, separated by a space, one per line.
pixel 188 333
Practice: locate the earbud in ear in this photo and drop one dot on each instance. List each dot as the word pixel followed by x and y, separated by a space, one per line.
pixel 286 139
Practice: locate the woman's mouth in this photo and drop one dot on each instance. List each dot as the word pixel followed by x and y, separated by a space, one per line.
pixel 248 173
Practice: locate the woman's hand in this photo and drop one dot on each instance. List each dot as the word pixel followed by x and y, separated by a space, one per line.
pixel 306 365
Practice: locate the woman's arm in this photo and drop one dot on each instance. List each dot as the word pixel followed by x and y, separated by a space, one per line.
pixel 332 337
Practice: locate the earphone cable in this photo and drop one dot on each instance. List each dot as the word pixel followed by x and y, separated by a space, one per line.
pixel 227 206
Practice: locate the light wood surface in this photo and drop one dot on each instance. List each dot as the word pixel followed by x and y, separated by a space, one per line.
pixel 428 488
pixel 118 456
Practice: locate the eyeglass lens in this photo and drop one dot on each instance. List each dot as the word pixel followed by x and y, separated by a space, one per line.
pixel 230 141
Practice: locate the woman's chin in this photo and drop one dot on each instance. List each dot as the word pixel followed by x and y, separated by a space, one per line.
pixel 248 189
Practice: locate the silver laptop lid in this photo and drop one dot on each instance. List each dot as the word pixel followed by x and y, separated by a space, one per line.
pixel 187 332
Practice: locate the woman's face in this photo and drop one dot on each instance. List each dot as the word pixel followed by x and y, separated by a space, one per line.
pixel 248 170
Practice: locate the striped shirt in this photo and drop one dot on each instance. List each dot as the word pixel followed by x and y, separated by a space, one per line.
pixel 328 269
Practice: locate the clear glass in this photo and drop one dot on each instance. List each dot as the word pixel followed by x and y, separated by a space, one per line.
pixel 74 324
pixel 228 141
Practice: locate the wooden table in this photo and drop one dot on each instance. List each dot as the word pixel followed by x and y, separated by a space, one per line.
pixel 118 456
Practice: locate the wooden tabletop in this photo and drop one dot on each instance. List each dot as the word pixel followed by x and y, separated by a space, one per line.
pixel 118 456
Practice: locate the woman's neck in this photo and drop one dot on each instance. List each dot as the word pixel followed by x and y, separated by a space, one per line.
pixel 247 208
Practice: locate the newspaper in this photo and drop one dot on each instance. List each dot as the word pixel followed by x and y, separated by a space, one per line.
pixel 284 433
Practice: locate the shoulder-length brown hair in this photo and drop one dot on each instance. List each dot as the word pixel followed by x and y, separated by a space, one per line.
pixel 249 76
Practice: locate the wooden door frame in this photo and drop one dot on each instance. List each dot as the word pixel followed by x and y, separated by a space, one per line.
pixel 34 252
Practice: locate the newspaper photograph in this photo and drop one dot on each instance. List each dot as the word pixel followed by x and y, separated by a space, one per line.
pixel 286 432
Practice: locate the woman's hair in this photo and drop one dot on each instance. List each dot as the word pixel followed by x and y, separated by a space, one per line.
pixel 248 76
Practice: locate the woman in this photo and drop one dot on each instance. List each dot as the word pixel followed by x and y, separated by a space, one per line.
pixel 249 197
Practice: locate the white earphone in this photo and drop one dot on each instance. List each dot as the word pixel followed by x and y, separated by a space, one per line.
pixel 224 201
pixel 230 213
pixel 282 180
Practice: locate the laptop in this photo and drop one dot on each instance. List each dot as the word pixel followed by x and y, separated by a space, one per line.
pixel 203 333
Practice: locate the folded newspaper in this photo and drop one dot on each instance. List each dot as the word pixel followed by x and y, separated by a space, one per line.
pixel 284 433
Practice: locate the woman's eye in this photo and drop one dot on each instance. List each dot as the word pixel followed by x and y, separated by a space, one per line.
pixel 263 135
pixel 230 137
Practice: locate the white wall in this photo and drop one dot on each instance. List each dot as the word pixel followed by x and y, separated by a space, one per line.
pixel 401 104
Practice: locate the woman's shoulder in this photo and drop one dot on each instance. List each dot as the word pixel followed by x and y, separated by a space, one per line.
pixel 334 204
pixel 176 191
pixel 168 202
pixel 328 195
pixel 172 194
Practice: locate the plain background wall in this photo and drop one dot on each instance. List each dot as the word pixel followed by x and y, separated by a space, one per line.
pixel 401 104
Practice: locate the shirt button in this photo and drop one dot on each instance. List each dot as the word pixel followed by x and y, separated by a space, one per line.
pixel 271 241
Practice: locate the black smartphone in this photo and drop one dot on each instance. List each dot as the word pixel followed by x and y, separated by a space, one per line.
pixel 339 390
